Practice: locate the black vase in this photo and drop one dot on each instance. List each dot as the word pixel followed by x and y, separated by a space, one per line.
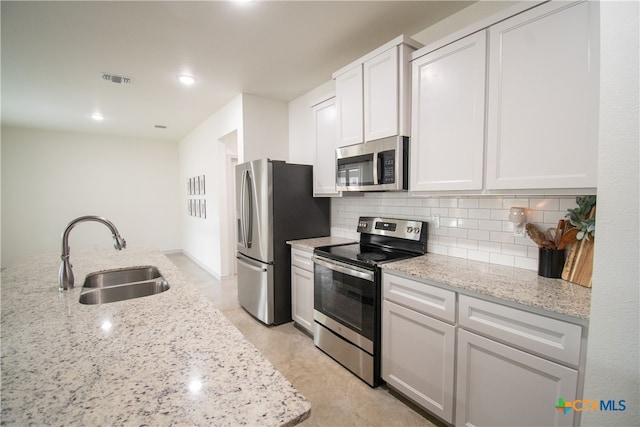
pixel 550 262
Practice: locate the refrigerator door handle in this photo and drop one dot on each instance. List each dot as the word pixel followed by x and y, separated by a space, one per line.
pixel 246 217
pixel 242 218
pixel 249 235
pixel 251 266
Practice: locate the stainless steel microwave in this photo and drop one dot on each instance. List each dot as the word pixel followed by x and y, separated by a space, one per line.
pixel 380 165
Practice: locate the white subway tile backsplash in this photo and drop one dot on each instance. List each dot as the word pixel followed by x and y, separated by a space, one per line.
pixel 501 259
pixel 515 203
pixel 494 203
pixel 458 213
pixel 458 233
pixel 515 250
pixel 467 244
pixel 500 237
pixel 457 252
pixel 471 224
pixel 476 228
pixel 545 204
pixel 448 203
pixel 478 256
pixel 528 263
pixel 479 213
pixel 482 235
pixel 468 203
pixel 553 216
pixel 491 247
pixel 448 222
pixel 490 225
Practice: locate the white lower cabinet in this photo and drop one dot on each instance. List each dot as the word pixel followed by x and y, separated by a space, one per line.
pixel 474 362
pixel 501 386
pixel 418 358
pixel 302 288
pixel 418 351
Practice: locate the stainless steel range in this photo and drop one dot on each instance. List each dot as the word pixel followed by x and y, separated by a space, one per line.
pixel 347 291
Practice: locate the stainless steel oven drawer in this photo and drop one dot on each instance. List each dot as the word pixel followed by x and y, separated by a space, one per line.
pixel 348 355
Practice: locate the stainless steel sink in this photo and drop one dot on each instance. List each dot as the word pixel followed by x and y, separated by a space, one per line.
pixel 119 276
pixel 122 284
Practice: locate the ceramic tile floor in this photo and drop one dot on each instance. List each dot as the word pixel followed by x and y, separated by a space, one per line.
pixel 338 398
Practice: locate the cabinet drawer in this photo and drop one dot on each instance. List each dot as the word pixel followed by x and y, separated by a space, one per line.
pixel 431 300
pixel 541 335
pixel 302 259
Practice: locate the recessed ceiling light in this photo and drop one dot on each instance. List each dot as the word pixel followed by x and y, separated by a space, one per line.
pixel 97 116
pixel 186 80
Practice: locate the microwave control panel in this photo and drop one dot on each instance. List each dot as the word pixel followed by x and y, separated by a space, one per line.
pixel 388 167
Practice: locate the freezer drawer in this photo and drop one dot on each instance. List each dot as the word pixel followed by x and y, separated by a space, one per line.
pixel 255 288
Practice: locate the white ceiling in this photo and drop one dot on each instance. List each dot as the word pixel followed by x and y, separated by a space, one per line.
pixel 54 53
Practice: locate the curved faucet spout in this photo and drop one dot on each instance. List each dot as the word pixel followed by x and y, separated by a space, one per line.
pixel 65 276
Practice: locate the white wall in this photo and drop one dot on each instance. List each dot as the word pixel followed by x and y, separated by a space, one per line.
pixel 613 365
pixel 266 132
pixel 51 177
pixel 301 133
pixel 203 153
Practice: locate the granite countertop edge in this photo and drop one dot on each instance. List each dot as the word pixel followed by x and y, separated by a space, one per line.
pixel 513 286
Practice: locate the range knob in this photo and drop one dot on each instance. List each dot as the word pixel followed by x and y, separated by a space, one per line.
pixel 409 230
pixel 416 230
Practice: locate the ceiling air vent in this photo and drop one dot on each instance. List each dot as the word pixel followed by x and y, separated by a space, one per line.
pixel 116 79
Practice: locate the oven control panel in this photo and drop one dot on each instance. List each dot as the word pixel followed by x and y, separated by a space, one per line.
pixel 405 229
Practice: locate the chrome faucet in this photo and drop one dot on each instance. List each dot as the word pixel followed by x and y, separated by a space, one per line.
pixel 65 276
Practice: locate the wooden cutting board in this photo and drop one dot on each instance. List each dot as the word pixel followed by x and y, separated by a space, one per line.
pixel 578 267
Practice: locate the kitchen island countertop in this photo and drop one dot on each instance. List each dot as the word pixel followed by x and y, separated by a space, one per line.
pixel 166 359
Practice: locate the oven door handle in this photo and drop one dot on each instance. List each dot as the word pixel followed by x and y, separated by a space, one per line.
pixel 344 268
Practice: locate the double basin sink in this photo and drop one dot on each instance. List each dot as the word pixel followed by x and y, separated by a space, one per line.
pixel 122 284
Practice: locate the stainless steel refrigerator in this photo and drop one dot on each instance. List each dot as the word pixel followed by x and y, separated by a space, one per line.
pixel 274 204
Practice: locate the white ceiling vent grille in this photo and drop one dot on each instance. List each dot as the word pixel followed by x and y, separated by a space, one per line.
pixel 116 79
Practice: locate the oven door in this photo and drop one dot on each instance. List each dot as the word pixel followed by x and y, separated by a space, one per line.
pixel 345 301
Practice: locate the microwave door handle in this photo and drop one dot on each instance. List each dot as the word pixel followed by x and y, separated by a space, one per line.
pixel 376 169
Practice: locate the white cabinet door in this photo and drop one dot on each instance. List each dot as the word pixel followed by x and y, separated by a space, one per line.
pixel 325 134
pixel 302 288
pixel 302 297
pixel 543 98
pixel 498 385
pixel 381 95
pixel 448 115
pixel 418 354
pixel 349 107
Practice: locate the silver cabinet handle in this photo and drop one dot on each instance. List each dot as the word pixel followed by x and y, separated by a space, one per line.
pixel 344 268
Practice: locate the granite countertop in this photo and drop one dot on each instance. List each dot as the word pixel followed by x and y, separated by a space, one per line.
pixel 504 284
pixel 320 241
pixel 166 359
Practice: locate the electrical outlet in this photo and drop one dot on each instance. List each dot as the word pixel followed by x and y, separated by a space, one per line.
pixel 436 220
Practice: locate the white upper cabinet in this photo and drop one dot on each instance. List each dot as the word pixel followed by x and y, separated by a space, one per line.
pixel 380 95
pixel 325 136
pixel 373 94
pixel 448 115
pixel 543 98
pixel 349 107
